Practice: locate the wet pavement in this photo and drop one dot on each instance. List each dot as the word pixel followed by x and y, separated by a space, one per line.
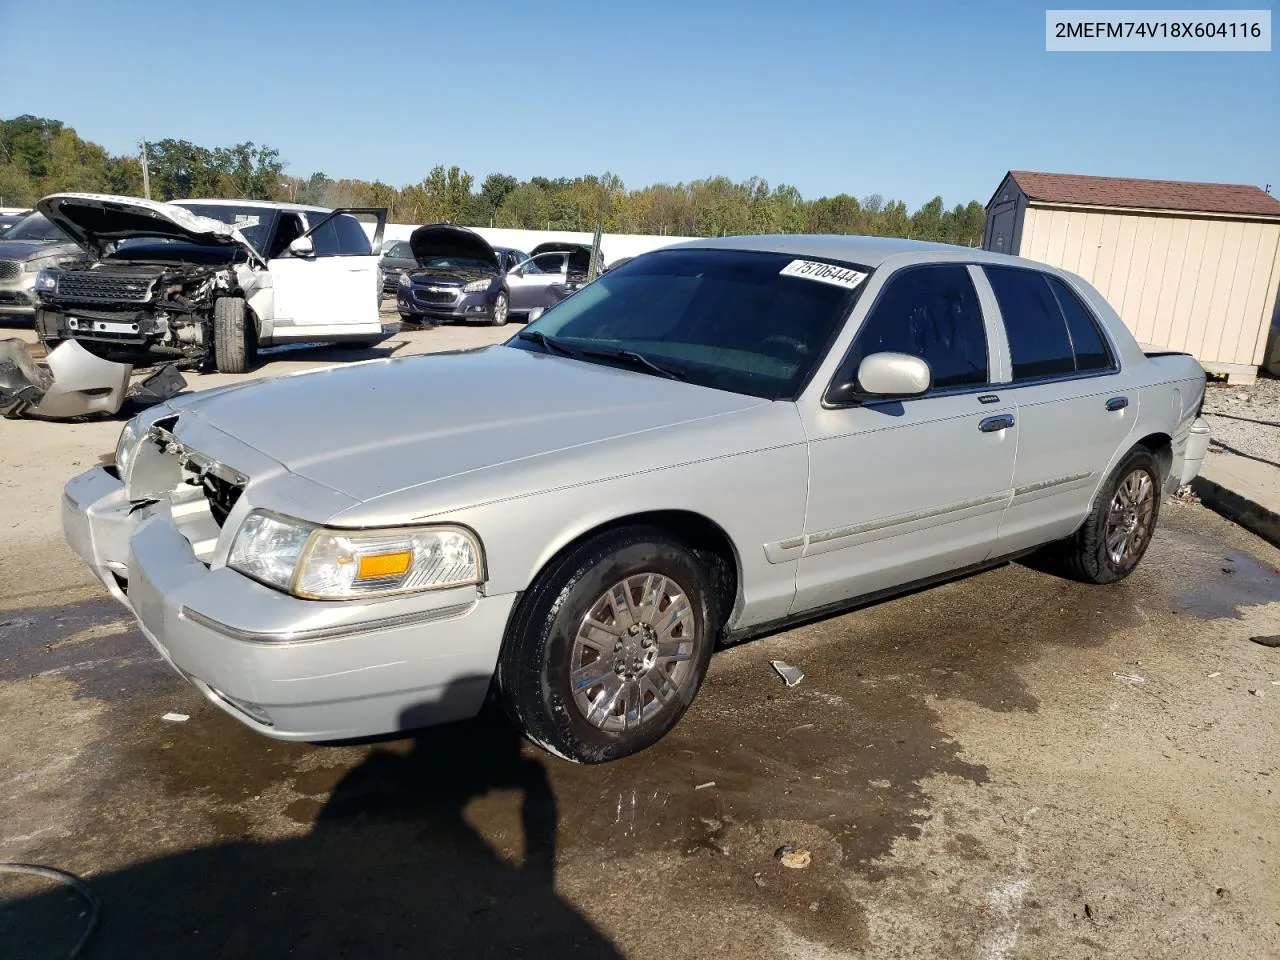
pixel 966 769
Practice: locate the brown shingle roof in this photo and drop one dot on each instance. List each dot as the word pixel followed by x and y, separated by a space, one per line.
pixel 1154 194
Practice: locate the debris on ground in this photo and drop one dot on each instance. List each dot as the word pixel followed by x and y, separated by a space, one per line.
pixel 793 857
pixel 792 675
pixel 703 786
pixel 1216 673
pixel 1129 677
pixel 1256 693
pixel 176 717
pixel 72 382
pixel 1185 494
pixel 1272 642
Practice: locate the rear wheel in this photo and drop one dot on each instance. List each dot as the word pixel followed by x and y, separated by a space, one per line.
pixel 609 646
pixel 500 311
pixel 232 340
pixel 1115 536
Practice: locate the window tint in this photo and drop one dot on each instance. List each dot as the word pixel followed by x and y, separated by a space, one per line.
pixel 324 240
pixel 1038 340
pixel 931 313
pixel 726 319
pixel 352 240
pixel 1090 348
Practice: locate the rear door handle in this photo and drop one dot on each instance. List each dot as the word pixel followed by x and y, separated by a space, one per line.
pixel 997 423
pixel 1117 403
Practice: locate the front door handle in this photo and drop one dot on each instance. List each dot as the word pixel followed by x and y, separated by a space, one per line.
pixel 1117 403
pixel 995 424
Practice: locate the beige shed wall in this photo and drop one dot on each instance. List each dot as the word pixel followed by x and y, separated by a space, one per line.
pixel 1204 285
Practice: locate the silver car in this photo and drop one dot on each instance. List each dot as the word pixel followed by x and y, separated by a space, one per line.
pixel 706 443
pixel 29 246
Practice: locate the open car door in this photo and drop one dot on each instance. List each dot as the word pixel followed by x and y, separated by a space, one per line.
pixel 327 280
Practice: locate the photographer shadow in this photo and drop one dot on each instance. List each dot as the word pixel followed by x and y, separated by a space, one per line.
pixel 391 868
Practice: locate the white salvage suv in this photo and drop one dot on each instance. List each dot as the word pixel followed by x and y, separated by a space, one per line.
pixel 210 280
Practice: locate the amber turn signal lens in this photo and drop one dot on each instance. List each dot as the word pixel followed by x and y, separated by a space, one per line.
pixel 380 565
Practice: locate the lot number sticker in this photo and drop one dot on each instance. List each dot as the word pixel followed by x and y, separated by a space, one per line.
pixel 823 273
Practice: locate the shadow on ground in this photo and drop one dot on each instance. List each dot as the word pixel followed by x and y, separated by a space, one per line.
pixel 390 868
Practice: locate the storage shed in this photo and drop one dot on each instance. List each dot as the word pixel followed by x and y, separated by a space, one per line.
pixel 1188 266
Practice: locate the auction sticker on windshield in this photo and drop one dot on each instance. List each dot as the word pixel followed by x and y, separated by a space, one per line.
pixel 823 272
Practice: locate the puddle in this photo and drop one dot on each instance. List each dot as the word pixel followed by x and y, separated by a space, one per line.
pixel 1213 583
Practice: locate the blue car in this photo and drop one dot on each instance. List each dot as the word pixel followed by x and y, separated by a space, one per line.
pixel 458 276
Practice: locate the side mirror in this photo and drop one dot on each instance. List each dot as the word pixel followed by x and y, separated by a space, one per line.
pixel 302 247
pixel 534 314
pixel 883 376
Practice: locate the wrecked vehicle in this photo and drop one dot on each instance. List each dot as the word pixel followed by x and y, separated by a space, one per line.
pixel 711 441
pixel 457 276
pixel 30 245
pixel 209 280
pixel 553 271
pixel 72 382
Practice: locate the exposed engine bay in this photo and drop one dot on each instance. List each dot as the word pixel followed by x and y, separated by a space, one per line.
pixel 148 296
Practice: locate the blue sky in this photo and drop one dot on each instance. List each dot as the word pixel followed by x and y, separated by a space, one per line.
pixel 902 99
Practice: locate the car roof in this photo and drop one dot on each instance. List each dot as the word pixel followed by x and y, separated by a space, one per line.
pixel 865 251
pixel 270 204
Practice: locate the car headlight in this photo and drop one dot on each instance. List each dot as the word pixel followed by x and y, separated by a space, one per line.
pixel 127 446
pixel 404 280
pixel 317 563
pixel 477 286
pixel 47 280
pixel 35 265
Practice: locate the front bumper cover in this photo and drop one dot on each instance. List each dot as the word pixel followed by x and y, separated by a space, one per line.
pixel 291 669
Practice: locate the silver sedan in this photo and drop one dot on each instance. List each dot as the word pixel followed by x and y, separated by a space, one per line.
pixel 710 441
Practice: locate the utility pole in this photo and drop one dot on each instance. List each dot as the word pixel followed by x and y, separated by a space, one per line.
pixel 146 173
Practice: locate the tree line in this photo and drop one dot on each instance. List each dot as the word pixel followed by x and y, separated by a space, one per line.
pixel 39 156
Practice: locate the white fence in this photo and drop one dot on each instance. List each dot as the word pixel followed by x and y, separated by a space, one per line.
pixel 613 246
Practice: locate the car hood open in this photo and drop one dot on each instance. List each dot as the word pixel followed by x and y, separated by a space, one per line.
pixel 579 254
pixel 388 432
pixel 448 240
pixel 96 220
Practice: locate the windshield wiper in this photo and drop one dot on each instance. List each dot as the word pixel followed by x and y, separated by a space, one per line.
pixel 637 360
pixel 548 344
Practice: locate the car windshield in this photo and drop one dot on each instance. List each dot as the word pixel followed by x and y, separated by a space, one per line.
pixel 456 263
pixel 399 250
pixel 744 321
pixel 255 223
pixel 36 227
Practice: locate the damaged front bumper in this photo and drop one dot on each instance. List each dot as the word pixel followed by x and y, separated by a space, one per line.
pixel 73 382
pixel 289 668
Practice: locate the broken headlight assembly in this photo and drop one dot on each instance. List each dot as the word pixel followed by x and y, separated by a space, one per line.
pixel 127 446
pixel 317 563
pixel 47 281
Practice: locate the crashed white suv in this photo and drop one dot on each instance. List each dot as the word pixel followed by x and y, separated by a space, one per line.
pixel 209 280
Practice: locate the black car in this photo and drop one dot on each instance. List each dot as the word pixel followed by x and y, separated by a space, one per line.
pixel 456 275
pixel 396 258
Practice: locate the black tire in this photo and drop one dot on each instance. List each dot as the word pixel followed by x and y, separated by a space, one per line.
pixel 501 310
pixel 1086 556
pixel 533 675
pixel 232 340
pixel 412 318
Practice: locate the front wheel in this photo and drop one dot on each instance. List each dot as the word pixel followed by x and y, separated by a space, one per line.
pixel 232 339
pixel 500 310
pixel 609 646
pixel 1114 537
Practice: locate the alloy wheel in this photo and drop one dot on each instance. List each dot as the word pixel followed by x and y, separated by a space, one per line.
pixel 1129 520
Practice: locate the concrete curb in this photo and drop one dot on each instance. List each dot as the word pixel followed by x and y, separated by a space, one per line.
pixel 1249 514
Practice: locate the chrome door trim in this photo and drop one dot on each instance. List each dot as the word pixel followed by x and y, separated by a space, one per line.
pixel 1043 488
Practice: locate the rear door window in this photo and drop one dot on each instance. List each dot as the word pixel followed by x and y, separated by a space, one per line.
pixel 930 312
pixel 1039 344
pixel 1087 341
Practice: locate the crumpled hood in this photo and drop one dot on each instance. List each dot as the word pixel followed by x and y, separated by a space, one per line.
pixel 447 240
pixel 33 249
pixel 376 427
pixel 95 220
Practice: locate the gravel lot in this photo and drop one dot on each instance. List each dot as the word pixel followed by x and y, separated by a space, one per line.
pixel 1246 419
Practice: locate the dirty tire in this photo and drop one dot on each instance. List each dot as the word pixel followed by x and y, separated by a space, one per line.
pixel 501 311
pixel 533 676
pixel 231 338
pixel 1085 555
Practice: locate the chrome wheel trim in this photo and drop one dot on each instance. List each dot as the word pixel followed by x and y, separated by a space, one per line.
pixel 633 652
pixel 1129 519
pixel 500 310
